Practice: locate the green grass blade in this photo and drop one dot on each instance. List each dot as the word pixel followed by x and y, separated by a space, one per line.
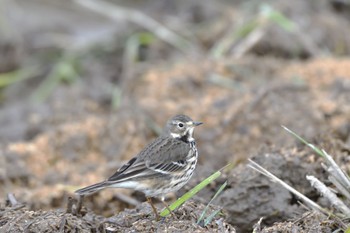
pixel 8 78
pixel 12 77
pixel 318 151
pixel 210 217
pixel 65 69
pixel 116 97
pixel 213 198
pixel 347 230
pixel 275 16
pixel 192 192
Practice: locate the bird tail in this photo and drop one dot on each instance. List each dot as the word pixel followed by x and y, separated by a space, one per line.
pixel 91 189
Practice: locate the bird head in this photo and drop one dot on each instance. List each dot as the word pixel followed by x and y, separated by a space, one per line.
pixel 181 127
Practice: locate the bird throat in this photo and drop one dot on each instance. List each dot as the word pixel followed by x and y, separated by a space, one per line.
pixel 187 137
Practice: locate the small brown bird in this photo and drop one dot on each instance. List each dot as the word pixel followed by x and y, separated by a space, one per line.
pixel 164 166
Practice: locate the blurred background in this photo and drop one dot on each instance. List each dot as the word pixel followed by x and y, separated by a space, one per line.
pixel 86 84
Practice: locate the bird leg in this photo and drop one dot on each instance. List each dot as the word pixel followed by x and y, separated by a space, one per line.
pixel 168 208
pixel 149 200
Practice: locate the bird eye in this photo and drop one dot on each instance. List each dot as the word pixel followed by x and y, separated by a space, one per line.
pixel 180 125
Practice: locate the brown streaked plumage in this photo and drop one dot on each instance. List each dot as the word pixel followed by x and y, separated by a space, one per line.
pixel 164 166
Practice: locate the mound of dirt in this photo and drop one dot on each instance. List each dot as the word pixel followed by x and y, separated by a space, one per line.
pixel 140 219
pixel 308 222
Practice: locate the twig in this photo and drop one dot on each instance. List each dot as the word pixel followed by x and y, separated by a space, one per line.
pixel 9 209
pixel 70 203
pixel 101 228
pixel 12 202
pixel 303 217
pixel 12 199
pixel 339 187
pixel 12 223
pixel 39 219
pixel 306 200
pixel 257 226
pixel 63 224
pixel 327 193
pixel 252 39
pixel 26 227
pixel 336 171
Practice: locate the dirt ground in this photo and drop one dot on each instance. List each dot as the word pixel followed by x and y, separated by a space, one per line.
pixel 82 92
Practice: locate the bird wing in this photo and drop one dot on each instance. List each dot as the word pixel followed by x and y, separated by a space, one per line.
pixel 129 170
pixel 150 163
pixel 168 167
pixel 172 158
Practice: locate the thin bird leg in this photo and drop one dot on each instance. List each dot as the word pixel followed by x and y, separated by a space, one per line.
pixel 79 204
pixel 149 200
pixel 168 208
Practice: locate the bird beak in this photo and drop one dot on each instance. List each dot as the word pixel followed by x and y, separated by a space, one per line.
pixel 197 123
